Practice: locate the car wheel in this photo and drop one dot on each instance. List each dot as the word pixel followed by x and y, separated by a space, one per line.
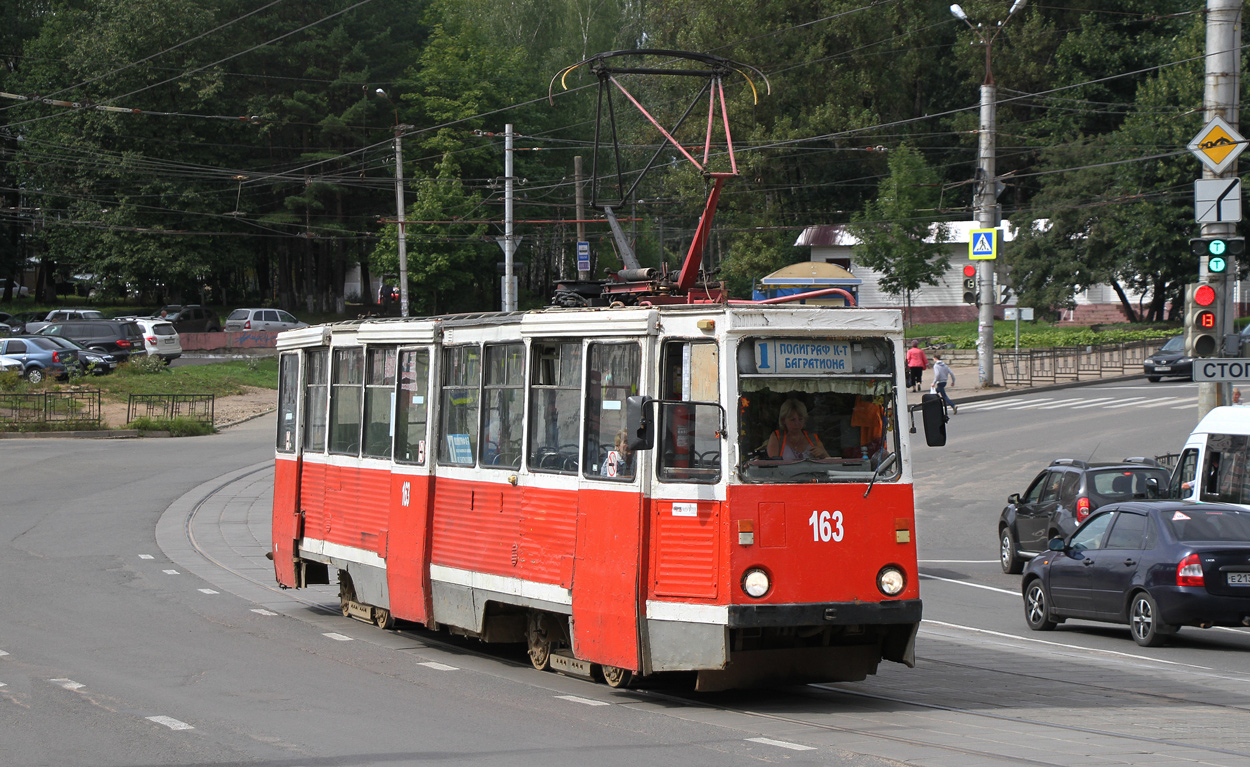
pixel 1037 608
pixel 34 375
pixel 1153 379
pixel 1145 623
pixel 1007 557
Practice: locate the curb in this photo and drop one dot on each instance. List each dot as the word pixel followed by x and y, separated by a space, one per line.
pixel 91 434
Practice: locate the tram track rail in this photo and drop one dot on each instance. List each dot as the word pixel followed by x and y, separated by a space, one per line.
pixel 1199 752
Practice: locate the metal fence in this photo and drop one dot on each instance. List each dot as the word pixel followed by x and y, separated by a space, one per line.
pixel 1030 367
pixel 50 407
pixel 197 407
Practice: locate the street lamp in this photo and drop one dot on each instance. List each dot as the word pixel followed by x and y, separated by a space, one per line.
pixel 402 238
pixel 987 193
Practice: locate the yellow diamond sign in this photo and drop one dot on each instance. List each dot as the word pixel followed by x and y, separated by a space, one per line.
pixel 1217 145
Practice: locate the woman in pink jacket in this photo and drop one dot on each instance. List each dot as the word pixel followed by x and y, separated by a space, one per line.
pixel 916 363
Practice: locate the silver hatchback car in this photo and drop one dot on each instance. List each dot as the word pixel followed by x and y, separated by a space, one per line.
pixel 261 319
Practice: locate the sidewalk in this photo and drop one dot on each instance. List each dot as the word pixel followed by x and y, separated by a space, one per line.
pixel 967 379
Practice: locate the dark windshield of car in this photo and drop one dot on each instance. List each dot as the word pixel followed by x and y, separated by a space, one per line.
pixel 1123 484
pixel 1174 344
pixel 1195 523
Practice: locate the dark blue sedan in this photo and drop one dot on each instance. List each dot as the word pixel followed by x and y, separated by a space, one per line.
pixel 1153 565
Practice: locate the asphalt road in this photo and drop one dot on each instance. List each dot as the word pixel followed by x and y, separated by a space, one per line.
pixel 140 626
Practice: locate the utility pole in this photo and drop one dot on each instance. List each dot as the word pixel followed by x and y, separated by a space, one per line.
pixel 1221 98
pixel 580 197
pixel 402 232
pixel 988 215
pixel 509 243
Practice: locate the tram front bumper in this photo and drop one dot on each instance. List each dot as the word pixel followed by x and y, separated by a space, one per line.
pixel 825 614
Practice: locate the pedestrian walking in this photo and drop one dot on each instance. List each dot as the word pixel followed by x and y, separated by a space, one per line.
pixel 916 363
pixel 942 375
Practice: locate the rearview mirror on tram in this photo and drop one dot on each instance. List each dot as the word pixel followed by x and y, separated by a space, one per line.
pixel 933 413
pixel 639 422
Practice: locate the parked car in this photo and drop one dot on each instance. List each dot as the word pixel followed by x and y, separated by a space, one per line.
pixel 10 324
pixel 8 364
pixel 39 357
pixel 121 338
pixel 19 291
pixel 1155 566
pixel 36 324
pixel 90 360
pixel 1169 361
pixel 192 318
pixel 160 339
pixel 261 319
pixel 1062 496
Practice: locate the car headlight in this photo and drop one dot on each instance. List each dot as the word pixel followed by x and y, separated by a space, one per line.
pixel 756 583
pixel 891 581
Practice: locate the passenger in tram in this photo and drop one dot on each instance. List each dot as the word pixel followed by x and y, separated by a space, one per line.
pixel 791 442
pixel 619 462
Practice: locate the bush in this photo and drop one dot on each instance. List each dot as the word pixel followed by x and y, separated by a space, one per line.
pixel 177 427
pixel 145 365
pixel 10 380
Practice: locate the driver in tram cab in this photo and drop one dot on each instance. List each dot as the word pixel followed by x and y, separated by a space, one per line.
pixel 791 442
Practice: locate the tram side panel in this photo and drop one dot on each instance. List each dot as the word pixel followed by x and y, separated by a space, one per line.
pixel 685 599
pixel 287 520
pixel 606 577
pixel 407 547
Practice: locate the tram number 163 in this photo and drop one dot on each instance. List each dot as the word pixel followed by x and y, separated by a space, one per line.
pixel 826 526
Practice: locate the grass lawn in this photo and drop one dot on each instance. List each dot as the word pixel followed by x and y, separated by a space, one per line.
pixel 221 379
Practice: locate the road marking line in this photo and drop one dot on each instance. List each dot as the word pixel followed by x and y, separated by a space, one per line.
pixel 1165 401
pixel 3 653
pixel 437 666
pixel 1037 403
pixel 170 722
pixel 1065 646
pixel 2 684
pixel 1061 403
pixel 208 591
pixel 1000 405
pixel 1131 401
pixel 958 561
pixel 969 585
pixel 170 572
pixel 583 701
pixel 337 637
pixel 68 684
pixel 146 556
pixel 781 744
pixel 1093 402
pixel 259 611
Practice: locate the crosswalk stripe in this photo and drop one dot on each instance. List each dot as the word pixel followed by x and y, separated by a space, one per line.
pixel 1171 401
pixel 1061 403
pixel 1004 405
pixel 1093 402
pixel 1129 402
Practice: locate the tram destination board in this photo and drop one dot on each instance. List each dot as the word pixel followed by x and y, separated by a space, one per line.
pixel 1231 370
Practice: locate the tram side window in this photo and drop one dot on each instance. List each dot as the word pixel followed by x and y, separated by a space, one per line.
pixel 462 372
pixel 1226 475
pixel 379 402
pixel 288 401
pixel 410 409
pixel 316 394
pixel 691 435
pixel 346 392
pixel 555 405
pixel 612 375
pixel 503 404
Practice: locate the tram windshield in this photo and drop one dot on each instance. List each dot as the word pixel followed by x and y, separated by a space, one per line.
pixel 817 410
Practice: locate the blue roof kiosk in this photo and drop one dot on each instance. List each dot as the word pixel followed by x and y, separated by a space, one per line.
pixel 806 276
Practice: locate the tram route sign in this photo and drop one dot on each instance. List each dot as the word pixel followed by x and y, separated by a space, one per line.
pixel 583 256
pixel 798 355
pixel 1218 144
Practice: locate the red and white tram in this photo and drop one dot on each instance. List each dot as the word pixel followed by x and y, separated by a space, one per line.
pixel 597 482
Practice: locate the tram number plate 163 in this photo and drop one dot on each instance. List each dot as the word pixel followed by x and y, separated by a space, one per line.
pixel 826 526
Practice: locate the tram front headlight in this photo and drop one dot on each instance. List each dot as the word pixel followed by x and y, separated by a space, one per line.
pixel 891 581
pixel 756 583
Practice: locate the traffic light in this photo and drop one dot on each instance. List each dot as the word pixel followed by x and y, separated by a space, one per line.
pixel 1218 251
pixel 970 284
pixel 1204 304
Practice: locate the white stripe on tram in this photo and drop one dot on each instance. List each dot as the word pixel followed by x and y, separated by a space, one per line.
pixel 502 584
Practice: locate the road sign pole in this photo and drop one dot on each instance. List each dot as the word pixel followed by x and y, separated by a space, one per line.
pixel 987 218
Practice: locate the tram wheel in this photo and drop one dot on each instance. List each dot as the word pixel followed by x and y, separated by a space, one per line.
pixel 617 677
pixel 347 593
pixel 538 638
pixel 383 618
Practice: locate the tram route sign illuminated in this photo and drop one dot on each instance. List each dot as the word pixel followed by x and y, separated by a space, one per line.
pixel 798 355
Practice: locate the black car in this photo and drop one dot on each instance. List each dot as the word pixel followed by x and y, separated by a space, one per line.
pixel 90 360
pixel 120 338
pixel 1153 565
pixel 1169 361
pixel 191 318
pixel 1062 496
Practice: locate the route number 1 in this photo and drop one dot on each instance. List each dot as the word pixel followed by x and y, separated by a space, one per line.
pixel 825 526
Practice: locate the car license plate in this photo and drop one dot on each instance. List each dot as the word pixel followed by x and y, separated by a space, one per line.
pixel 167 341
pixel 1239 579
pixel 1162 368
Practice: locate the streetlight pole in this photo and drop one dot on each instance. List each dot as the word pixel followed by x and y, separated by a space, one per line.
pixel 402 234
pixel 988 216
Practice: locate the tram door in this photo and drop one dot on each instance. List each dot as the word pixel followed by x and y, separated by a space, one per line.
pixel 286 514
pixel 607 567
pixel 407 563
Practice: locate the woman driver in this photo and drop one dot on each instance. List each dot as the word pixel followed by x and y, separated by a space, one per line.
pixel 791 442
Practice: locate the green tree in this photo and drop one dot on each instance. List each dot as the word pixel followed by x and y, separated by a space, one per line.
pixel 896 231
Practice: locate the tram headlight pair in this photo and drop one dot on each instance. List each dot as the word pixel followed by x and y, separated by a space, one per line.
pixel 756 583
pixel 891 581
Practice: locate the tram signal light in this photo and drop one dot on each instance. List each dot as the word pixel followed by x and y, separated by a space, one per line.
pixel 1218 250
pixel 1203 308
pixel 970 284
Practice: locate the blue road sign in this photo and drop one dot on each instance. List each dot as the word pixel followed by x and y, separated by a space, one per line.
pixel 983 244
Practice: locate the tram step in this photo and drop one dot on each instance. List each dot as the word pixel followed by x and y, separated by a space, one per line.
pixel 567 664
pixel 360 612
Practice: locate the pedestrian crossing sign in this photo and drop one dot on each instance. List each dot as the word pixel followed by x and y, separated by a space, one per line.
pixel 983 244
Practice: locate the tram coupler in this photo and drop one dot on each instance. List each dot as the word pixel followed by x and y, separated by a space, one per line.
pixel 565 663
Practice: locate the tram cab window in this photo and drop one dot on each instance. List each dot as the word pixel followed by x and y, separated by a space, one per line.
pixel 691 428
pixel 555 405
pixel 346 393
pixel 613 373
pixel 379 402
pixel 410 406
pixel 316 397
pixel 503 403
pixel 1226 470
pixel 842 392
pixel 288 401
pixel 462 372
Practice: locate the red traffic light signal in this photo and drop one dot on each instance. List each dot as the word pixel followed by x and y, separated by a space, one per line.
pixel 970 271
pixel 1204 295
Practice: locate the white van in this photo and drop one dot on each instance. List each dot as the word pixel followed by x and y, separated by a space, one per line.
pixel 1214 465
